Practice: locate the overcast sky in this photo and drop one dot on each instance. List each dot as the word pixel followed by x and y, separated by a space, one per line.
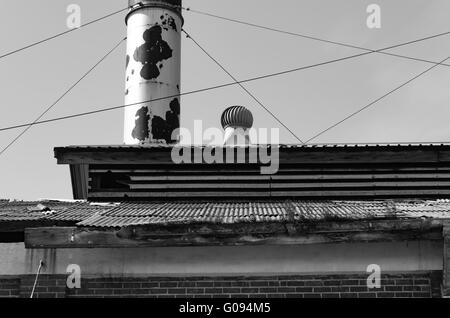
pixel 306 101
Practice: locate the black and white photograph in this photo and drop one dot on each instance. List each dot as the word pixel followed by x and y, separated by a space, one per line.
pixel 224 157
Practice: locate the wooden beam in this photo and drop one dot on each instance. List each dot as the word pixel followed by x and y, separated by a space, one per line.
pixel 388 155
pixel 79 174
pixel 234 235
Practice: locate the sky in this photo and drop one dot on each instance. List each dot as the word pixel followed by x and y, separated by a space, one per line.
pixel 307 101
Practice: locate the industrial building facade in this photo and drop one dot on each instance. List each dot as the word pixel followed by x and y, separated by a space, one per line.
pixel 311 230
pixel 141 225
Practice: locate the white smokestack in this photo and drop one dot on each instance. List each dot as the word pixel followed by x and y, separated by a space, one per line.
pixel 153 71
pixel 237 121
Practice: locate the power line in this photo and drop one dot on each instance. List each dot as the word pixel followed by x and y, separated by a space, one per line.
pixel 222 85
pixel 62 33
pixel 313 37
pixel 376 101
pixel 61 97
pixel 242 86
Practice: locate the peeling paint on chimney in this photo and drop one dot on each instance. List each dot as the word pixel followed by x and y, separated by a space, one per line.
pixel 153 71
pixel 153 51
pixel 140 130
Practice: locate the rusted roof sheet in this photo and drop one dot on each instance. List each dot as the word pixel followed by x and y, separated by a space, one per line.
pixel 432 209
pixel 356 210
pixel 227 212
pixel 46 211
pixel 189 212
pixel 116 215
pixel 30 210
pixel 80 212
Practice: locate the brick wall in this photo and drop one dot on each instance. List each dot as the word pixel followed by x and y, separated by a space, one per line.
pixel 426 284
pixel 9 287
pixel 48 286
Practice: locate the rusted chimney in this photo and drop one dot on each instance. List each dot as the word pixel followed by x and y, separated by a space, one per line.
pixel 153 71
pixel 237 121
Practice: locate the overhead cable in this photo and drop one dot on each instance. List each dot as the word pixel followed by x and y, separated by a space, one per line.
pixel 62 33
pixel 242 86
pixel 257 78
pixel 314 38
pixel 375 101
pixel 61 97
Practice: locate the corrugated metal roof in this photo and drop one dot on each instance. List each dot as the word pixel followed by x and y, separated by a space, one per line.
pixel 115 215
pixel 46 210
pixel 432 209
pixel 226 212
pixel 341 209
pixel 30 210
pixel 79 212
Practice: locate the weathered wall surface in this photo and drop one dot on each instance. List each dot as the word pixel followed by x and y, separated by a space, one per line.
pixel 446 270
pixel 409 269
pixel 266 260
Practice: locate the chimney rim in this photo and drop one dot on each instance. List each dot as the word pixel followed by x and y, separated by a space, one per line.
pixel 175 6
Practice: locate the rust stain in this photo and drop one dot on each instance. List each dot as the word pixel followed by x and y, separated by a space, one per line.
pixel 168 22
